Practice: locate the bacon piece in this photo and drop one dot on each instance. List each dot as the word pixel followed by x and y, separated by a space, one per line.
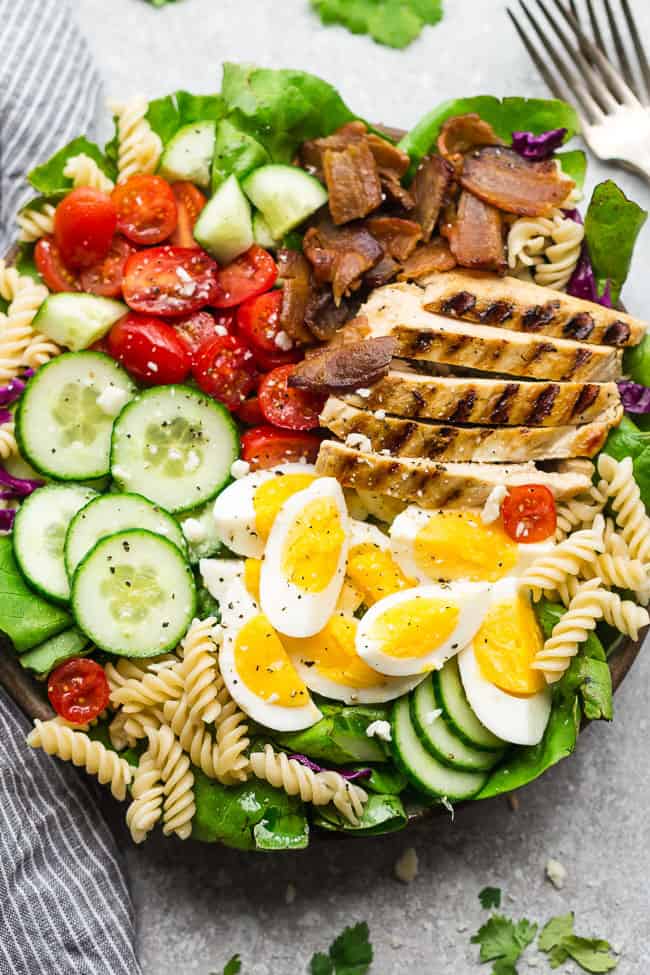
pixel 428 259
pixel 295 276
pixel 311 152
pixel 387 156
pixel 341 256
pixel 464 132
pixel 476 238
pixel 352 365
pixel 501 177
pixel 430 188
pixel 352 181
pixel 324 318
pixel 395 192
pixel 381 274
pixel 398 237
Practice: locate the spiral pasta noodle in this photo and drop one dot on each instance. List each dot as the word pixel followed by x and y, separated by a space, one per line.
pixel 199 669
pixel 151 688
pixel 76 747
pixel 631 516
pixel 39 351
pixel 147 793
pixel 34 224
pixel 8 445
pixel 178 781
pixel 139 148
pixel 549 247
pixel 623 614
pixel 319 788
pixel 84 171
pixel 584 610
pixel 567 559
pixel 25 297
pixel 194 736
pixel 126 729
pixel 232 742
pixel 527 241
pixel 620 572
pixel 580 512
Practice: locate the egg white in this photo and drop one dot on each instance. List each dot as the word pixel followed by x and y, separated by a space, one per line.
pixel 218 575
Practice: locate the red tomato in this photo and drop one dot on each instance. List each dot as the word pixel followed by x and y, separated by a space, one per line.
pixel 250 413
pixel 105 278
pixel 225 369
pixel 291 409
pixel 84 224
pixel 266 447
pixel 189 203
pixel 149 349
pixel 258 319
pixel 78 690
pixel 202 327
pixel 170 281
pixel 50 266
pixel 146 209
pixel 248 275
pixel 528 513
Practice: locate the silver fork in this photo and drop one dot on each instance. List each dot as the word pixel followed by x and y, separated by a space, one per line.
pixel 612 104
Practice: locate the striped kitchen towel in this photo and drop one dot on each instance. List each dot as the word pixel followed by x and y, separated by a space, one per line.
pixel 65 908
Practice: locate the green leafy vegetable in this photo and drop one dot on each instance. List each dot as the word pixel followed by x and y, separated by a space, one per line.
pixel 574 164
pixel 235 152
pixel 490 897
pixel 349 954
pixel 339 738
pixel 169 114
pixel 163 3
pixel 233 967
pixel 48 178
pixel 503 941
pixel 395 23
pixel 26 618
pixel 560 943
pixel 206 604
pixel 25 261
pixel 386 780
pixel 627 440
pixel 612 225
pixel 381 814
pixel 48 655
pixel 636 361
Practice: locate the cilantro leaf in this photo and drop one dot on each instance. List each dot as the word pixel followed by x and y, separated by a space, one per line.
pixel 349 954
pixel 395 23
pixel 504 940
pixel 321 965
pixel 233 967
pixel 559 942
pixel 555 931
pixel 490 897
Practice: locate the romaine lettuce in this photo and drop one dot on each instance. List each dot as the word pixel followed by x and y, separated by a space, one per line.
pixel 26 618
pixel 48 178
pixel 612 225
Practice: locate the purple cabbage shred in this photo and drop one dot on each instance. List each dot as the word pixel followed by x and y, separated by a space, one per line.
pixel 361 773
pixel 5 415
pixel 583 282
pixel 634 396
pixel 20 486
pixel 7 516
pixel 10 393
pixel 536 148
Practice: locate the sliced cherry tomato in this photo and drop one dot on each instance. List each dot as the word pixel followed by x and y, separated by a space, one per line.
pixel 189 203
pixel 250 274
pixel 149 349
pixel 250 413
pixel 50 266
pixel 146 209
pixel 170 281
pixel 202 327
pixel 225 369
pixel 84 224
pixel 258 319
pixel 78 690
pixel 105 278
pixel 528 513
pixel 265 447
pixel 290 409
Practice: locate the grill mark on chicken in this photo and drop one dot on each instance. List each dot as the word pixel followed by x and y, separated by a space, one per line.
pixel 499 414
pixel 496 313
pixel 464 408
pixel 617 334
pixel 543 405
pixel 585 398
pixel 536 318
pixel 579 327
pixel 459 304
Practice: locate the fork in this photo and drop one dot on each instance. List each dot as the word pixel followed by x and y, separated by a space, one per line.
pixel 612 103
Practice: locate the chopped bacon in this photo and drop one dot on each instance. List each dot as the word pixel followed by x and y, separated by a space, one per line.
pixel 352 182
pixel 462 133
pixel 324 318
pixel 398 237
pixel 430 188
pixel 355 330
pixel 387 156
pixel 394 191
pixel 476 238
pixel 381 274
pixel 428 259
pixel 341 256
pixel 501 177
pixel 311 152
pixel 349 366
pixel 295 276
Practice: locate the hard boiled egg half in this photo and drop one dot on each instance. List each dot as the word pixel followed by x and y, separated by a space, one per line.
pixel 510 698
pixel 443 546
pixel 371 569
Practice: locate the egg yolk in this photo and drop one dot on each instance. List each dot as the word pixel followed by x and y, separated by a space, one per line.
pixel 252 572
pixel 263 666
pixel 415 628
pixel 373 571
pixel 272 494
pixel 312 548
pixel 458 545
pixel 506 644
pixel 333 655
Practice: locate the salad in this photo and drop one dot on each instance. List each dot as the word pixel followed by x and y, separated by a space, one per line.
pixel 323 496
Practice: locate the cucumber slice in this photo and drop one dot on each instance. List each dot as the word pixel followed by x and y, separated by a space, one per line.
pixel 423 771
pixel 199 530
pixel 44 658
pixel 61 429
pixel 39 536
pixel 439 739
pixel 175 446
pixel 115 513
pixel 225 228
pixel 451 697
pixel 189 154
pixel 134 594
pixel 261 232
pixel 76 320
pixel 235 153
pixel 285 195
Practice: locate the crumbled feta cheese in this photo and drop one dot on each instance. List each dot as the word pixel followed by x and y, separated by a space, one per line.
pixel 406 868
pixel 380 414
pixel 556 873
pixel 432 716
pixel 239 468
pixel 220 330
pixel 152 366
pixel 492 507
pixel 193 461
pixel 112 399
pixel 363 392
pixel 194 531
pixel 175 454
pixel 182 274
pixel 290 894
pixel 283 341
pixel 358 441
pixel 379 729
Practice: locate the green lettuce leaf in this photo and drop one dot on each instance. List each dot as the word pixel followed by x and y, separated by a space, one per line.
pixel 612 225
pixel 48 178
pixel 26 618
pixel 559 942
pixel 235 151
pixel 169 114
pixel 387 780
pixel 395 23
pixel 636 361
pixel 339 738
pixel 381 814
pixel 627 440
pixel 574 164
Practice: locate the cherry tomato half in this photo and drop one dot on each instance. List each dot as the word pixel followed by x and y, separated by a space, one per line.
pixel 105 278
pixel 78 690
pixel 149 349
pixel 170 281
pixel 528 513
pixel 265 447
pixel 250 274
pixel 84 224
pixel 250 413
pixel 189 203
pixel 290 409
pixel 258 319
pixel 225 369
pixel 50 266
pixel 146 209
pixel 202 327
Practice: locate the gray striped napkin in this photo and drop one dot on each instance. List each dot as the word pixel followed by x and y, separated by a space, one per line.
pixel 64 904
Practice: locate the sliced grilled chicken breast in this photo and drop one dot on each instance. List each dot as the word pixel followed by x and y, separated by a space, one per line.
pixel 523 306
pixel 434 485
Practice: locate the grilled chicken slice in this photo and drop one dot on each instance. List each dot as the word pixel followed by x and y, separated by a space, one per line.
pixel 524 306
pixel 458 399
pixel 396 310
pixel 433 485
pixel 488 445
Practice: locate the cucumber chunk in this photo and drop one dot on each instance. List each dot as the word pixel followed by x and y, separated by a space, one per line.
pixel 189 154
pixel 235 153
pixel 199 530
pixel 61 428
pixel 225 228
pixel 438 737
pixel 451 697
pixel 44 658
pixel 261 232
pixel 77 321
pixel 175 446
pixel 39 536
pixel 134 594
pixel 423 771
pixel 285 195
pixel 115 513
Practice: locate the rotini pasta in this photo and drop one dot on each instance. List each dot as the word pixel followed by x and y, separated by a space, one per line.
pixel 8 445
pixel 25 296
pixel 76 747
pixel 622 614
pixel 584 610
pixel 39 351
pixel 151 688
pixel 139 148
pixel 84 171
pixel 126 729
pixel 626 502
pixel 178 781
pixel 620 572
pixel 232 742
pixel 34 224
pixel 199 670
pixel 194 736
pixel 580 512
pixel 567 559
pixel 147 793
pixel 548 247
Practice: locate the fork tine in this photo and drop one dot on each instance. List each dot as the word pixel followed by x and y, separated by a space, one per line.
pixel 595 26
pixel 620 47
pixel 549 78
pixel 638 47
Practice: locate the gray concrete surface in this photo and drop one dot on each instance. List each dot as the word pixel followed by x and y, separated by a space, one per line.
pixel 198 905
